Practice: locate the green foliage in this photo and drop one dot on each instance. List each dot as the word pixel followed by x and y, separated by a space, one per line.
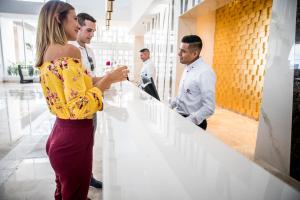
pixel 12 70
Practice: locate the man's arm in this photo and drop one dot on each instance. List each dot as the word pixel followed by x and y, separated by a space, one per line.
pixel 207 88
pixel 150 70
pixel 172 102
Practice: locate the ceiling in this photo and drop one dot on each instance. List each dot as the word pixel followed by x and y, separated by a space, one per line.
pixel 96 8
pixel 122 8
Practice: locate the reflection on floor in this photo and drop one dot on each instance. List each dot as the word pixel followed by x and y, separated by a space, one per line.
pixel 235 130
pixel 25 123
pixel 25 171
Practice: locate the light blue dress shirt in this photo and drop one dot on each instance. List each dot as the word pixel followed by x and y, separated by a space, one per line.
pixel 196 96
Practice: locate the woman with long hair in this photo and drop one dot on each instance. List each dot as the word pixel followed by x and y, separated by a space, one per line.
pixel 71 96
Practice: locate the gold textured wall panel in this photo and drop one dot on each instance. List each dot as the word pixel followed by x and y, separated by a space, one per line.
pixel 241 36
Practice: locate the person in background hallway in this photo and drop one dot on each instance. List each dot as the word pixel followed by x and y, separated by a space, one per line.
pixel 196 97
pixel 87 27
pixel 148 68
pixel 71 96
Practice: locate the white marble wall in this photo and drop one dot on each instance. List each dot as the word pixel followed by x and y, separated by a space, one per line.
pixel 274 132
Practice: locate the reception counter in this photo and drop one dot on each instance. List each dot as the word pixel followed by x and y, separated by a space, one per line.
pixel 151 153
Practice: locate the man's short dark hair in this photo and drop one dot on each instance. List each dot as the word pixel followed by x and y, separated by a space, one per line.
pixel 81 17
pixel 144 50
pixel 194 41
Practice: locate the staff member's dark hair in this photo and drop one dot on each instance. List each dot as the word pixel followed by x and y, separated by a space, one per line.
pixel 194 42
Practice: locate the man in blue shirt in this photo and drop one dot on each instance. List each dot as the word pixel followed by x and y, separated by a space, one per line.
pixel 196 97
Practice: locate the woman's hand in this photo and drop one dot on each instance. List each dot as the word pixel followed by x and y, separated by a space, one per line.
pixel 96 79
pixel 117 75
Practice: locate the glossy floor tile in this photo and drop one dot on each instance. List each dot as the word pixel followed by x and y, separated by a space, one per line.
pixel 25 123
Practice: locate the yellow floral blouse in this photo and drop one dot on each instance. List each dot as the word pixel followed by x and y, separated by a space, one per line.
pixel 69 90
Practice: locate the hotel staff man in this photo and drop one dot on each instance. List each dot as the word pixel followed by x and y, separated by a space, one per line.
pixel 196 97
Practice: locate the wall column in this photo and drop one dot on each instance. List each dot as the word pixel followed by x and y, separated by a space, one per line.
pixel 274 133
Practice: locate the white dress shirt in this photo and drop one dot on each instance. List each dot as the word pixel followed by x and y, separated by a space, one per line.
pixel 85 52
pixel 148 69
pixel 196 96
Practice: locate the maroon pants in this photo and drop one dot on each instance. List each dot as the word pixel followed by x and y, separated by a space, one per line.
pixel 70 151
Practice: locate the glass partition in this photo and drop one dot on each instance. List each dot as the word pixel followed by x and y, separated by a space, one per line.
pixel 18 45
pixel 161 40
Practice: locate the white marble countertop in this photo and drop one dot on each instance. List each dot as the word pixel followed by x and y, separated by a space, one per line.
pixel 151 153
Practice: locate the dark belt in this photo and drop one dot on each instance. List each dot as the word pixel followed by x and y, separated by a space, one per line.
pixel 203 125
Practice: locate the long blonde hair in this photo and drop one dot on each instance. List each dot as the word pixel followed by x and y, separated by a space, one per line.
pixel 50 27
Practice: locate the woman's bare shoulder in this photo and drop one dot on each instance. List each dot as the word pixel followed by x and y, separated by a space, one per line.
pixel 55 52
pixel 72 51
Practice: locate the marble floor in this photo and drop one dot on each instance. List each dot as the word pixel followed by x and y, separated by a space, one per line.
pixel 237 131
pixel 25 172
pixel 25 123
